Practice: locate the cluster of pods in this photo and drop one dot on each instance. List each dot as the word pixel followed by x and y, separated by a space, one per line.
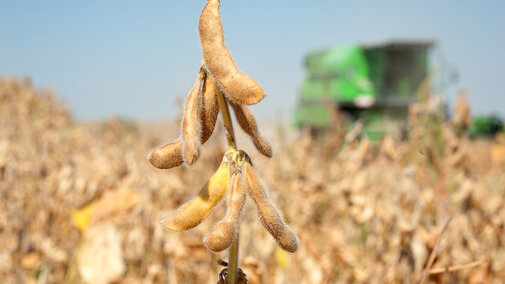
pixel 236 176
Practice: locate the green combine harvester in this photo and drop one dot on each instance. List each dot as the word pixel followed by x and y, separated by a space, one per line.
pixel 371 83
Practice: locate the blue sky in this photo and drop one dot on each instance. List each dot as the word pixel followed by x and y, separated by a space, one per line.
pixel 135 58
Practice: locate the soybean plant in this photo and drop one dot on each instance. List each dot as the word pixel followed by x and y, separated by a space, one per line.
pixel 219 82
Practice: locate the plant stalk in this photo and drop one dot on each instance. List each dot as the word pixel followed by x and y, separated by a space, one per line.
pixel 232 144
pixel 233 261
pixel 225 112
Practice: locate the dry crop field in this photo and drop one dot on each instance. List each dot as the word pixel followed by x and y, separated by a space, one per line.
pixel 81 204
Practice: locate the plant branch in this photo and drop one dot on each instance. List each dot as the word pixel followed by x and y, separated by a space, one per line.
pixel 233 261
pixel 225 112
pixel 457 267
pixel 232 145
pixel 433 254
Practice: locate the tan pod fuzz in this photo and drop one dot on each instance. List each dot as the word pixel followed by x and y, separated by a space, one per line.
pixel 193 212
pixel 268 213
pixel 225 232
pixel 167 156
pixel 210 108
pixel 248 123
pixel 235 84
pixel 191 124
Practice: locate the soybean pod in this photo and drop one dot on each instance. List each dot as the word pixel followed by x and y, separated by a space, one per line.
pixel 236 85
pixel 193 212
pixel 267 211
pixel 226 231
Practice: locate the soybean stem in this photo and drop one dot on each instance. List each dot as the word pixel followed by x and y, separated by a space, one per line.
pixel 233 262
pixel 225 112
pixel 457 267
pixel 434 252
pixel 232 144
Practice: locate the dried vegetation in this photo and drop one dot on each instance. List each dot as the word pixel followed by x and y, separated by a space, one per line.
pixel 80 204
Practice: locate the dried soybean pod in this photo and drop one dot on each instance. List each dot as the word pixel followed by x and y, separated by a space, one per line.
pixel 247 121
pixel 191 124
pixel 167 156
pixel 193 212
pixel 235 84
pixel 170 155
pixel 210 108
pixel 268 213
pixel 225 232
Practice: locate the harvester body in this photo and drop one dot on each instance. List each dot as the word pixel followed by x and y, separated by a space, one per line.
pixel 372 83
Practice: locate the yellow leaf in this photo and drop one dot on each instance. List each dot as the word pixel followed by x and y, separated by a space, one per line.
pixel 82 216
pixel 281 257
